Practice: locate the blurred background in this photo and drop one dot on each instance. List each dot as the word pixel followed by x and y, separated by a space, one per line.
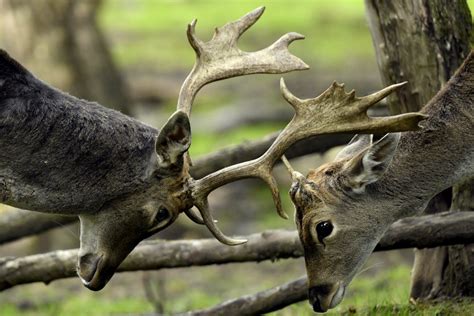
pixel 133 56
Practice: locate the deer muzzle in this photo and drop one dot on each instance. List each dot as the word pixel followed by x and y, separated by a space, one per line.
pixel 88 271
pixel 325 296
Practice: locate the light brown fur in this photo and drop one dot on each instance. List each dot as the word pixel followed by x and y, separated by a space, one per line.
pixel 371 185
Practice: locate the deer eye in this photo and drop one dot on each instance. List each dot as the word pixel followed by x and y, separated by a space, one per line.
pixel 324 229
pixel 161 215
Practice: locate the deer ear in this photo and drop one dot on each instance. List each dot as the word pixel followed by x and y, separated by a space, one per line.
pixel 357 143
pixel 369 166
pixel 174 139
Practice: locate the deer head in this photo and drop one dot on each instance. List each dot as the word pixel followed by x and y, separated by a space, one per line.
pixel 111 233
pixel 328 201
pixel 323 198
pixel 344 207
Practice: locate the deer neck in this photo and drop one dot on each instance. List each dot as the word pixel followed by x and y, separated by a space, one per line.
pixel 438 156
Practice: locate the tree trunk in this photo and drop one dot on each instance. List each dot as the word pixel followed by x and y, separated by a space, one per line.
pixel 458 275
pixel 424 42
pixel 61 43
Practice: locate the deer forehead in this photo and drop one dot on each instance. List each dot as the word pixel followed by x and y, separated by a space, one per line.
pixel 168 192
pixel 326 182
pixel 326 171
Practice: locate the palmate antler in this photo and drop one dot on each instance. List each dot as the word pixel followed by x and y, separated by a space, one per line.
pixel 333 111
pixel 220 58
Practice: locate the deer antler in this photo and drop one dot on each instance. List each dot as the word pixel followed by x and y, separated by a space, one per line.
pixel 334 111
pixel 220 58
pixel 331 112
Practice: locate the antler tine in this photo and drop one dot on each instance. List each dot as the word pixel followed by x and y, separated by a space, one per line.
pixel 295 175
pixel 194 217
pixel 367 101
pixel 203 207
pixel 220 58
pixel 287 165
pixel 257 168
pixel 336 111
pixel 273 185
pixel 195 42
pixel 289 97
pixel 238 27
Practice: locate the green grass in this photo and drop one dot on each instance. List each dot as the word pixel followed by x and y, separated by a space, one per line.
pixel 79 307
pixel 389 288
pixel 458 308
pixel 385 293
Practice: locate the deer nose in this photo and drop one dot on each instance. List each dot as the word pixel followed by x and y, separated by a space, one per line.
pixel 87 266
pixel 321 297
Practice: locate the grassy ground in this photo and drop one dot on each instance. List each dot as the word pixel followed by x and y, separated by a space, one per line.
pixel 383 293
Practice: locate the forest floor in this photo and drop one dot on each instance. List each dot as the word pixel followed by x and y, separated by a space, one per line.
pixel 384 292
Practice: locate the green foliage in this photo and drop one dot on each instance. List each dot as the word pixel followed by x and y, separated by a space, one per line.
pixel 207 142
pixel 152 33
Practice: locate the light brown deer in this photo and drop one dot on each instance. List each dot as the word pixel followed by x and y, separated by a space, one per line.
pixel 344 207
pixel 126 180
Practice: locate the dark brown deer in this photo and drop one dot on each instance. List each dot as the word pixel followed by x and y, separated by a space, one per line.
pixel 344 207
pixel 126 180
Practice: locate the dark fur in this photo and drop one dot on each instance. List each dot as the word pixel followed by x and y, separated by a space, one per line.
pixel 62 154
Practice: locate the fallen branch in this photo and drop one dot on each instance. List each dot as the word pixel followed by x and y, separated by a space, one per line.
pixel 15 224
pixel 441 229
pixel 422 232
pixel 152 255
pixel 260 303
